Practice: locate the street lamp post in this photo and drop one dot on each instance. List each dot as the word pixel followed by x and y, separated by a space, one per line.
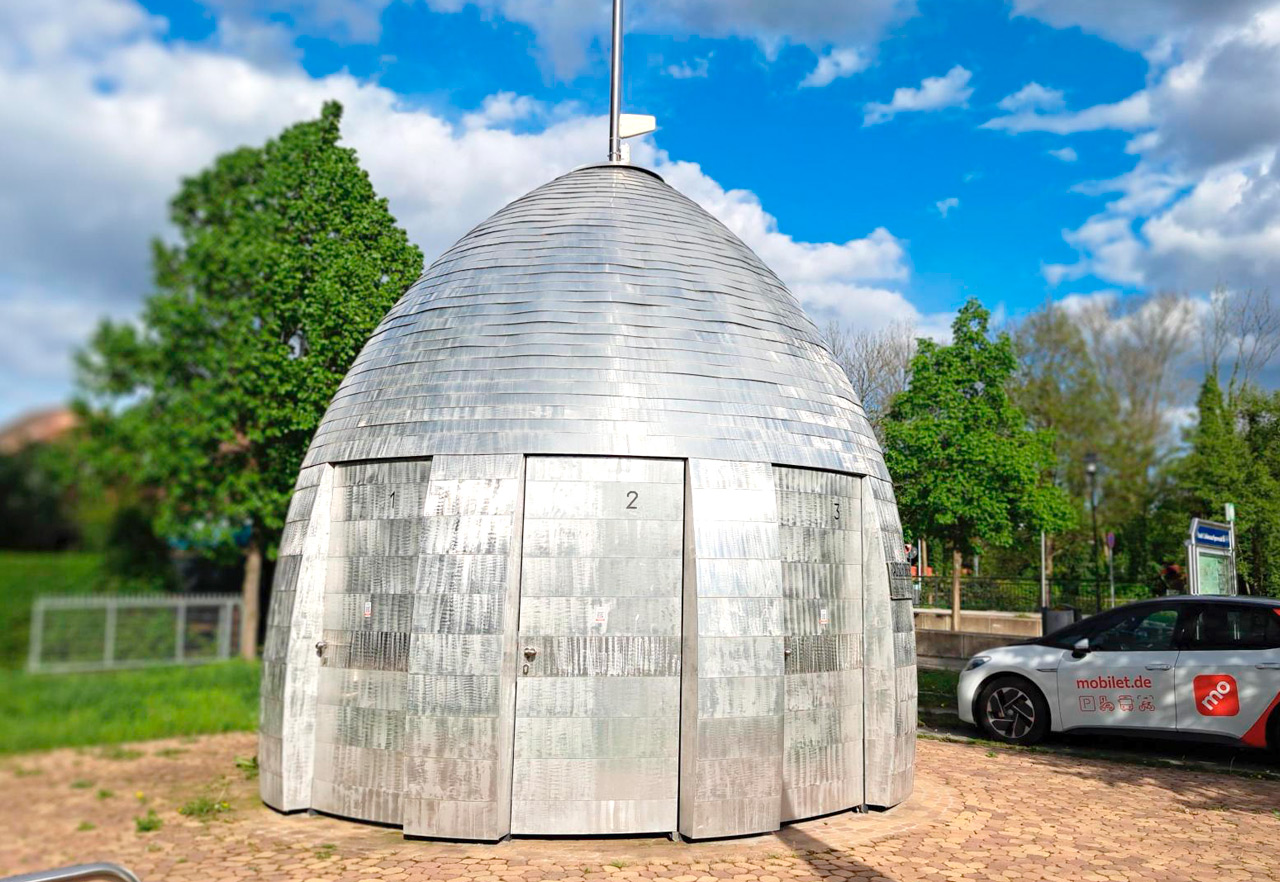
pixel 1091 469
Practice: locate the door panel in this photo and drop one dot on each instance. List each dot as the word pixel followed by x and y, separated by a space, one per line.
pixel 376 518
pixel 1127 680
pixel 1229 674
pixel 598 692
pixel 819 533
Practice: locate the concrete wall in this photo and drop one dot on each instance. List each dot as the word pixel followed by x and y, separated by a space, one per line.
pixel 980 622
pixel 950 650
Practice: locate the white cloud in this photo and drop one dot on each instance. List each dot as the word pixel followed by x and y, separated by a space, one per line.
pixel 834 65
pixel 1066 154
pixel 1140 24
pixel 86 173
pixel 934 93
pixel 944 206
pixel 1033 96
pixel 502 109
pixel 346 21
pixel 1129 115
pixel 854 281
pixel 1201 206
pixel 699 68
pixel 565 28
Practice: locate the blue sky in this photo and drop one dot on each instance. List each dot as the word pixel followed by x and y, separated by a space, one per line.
pixel 888 158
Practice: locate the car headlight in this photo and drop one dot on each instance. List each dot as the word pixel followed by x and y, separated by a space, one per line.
pixel 977 661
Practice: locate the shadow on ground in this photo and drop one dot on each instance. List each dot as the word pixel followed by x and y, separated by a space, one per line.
pixel 825 860
pixel 1190 755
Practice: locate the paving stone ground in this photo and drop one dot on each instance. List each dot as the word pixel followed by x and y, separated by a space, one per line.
pixel 976 814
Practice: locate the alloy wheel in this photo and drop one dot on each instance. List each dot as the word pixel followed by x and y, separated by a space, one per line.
pixel 1011 712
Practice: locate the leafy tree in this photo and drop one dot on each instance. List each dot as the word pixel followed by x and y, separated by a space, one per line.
pixel 1234 458
pixel 284 261
pixel 34 504
pixel 966 467
pixel 1058 387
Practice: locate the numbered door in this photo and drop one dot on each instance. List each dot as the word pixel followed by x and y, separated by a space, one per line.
pixel 598 684
pixel 820 533
pixel 376 521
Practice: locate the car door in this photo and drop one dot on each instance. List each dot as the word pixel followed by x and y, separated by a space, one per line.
pixel 1126 679
pixel 1228 676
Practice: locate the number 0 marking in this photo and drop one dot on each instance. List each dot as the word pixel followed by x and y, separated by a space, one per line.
pixel 632 497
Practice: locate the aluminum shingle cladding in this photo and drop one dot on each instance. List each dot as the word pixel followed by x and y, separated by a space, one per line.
pixel 603 313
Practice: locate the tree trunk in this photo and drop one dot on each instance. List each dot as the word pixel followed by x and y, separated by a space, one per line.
pixel 957 563
pixel 249 595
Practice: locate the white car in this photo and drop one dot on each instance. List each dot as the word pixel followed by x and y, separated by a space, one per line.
pixel 1205 668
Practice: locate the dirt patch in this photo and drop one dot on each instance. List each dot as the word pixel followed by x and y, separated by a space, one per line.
pixel 976 813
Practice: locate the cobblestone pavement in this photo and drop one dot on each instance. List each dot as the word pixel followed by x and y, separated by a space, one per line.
pixel 976 814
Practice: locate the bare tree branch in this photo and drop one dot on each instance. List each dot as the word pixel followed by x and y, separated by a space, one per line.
pixel 1247 322
pixel 877 363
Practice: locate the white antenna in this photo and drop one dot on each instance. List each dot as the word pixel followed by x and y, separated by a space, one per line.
pixel 622 125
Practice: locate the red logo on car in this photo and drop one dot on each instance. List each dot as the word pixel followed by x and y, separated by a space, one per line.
pixel 1216 695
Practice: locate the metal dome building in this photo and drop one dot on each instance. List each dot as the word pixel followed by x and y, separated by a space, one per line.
pixel 594 538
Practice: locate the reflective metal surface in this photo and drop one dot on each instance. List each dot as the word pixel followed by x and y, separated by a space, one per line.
pixel 602 314
pixel 461 684
pixel 290 667
pixel 889 651
pixel 598 694
pixel 375 542
pixel 820 539
pixel 78 873
pixel 594 538
pixel 732 728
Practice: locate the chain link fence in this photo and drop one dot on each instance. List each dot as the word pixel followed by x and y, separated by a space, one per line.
pixel 1023 595
pixel 111 632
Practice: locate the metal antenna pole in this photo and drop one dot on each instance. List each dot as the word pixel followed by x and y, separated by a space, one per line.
pixel 615 87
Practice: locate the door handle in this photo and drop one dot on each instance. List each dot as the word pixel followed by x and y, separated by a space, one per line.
pixel 1159 667
pixel 320 648
pixel 530 653
pixel 1268 666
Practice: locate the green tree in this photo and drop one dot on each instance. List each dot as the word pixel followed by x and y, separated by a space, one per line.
pixel 1058 387
pixel 1234 457
pixel 284 261
pixel 966 467
pixel 34 502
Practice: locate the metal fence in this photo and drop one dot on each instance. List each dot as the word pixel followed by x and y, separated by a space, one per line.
pixel 110 632
pixel 1023 595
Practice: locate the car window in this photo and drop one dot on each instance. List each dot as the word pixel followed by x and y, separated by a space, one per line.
pixel 1223 626
pixel 1148 629
pixel 1066 638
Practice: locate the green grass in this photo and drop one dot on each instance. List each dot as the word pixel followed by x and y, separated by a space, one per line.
pixel 67 710
pixel 937 688
pixel 148 823
pixel 204 807
pixel 23 576
pixel 248 765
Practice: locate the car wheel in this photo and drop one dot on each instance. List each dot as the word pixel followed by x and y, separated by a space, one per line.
pixel 1012 710
pixel 1273 734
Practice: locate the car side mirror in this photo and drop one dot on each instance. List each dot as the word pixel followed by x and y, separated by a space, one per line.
pixel 1081 649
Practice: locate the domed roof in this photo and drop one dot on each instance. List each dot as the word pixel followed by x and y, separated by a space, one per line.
pixel 603 313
